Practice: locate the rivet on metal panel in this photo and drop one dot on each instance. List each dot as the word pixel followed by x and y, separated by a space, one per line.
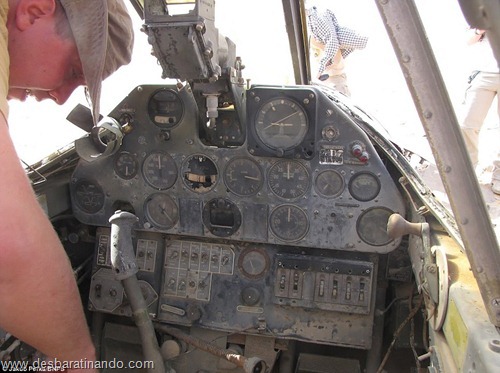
pixel 494 345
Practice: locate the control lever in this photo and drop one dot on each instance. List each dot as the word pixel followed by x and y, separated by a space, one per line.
pixel 125 267
pixel 248 364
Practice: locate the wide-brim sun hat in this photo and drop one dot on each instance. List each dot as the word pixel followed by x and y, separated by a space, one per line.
pixel 104 36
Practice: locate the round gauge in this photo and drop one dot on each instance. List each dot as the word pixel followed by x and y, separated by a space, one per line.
pixel 329 183
pixel 253 262
pixel 126 165
pixel 221 217
pixel 364 186
pixel 159 170
pixel 161 211
pixel 200 173
pixel 288 179
pixel 372 226
pixel 289 223
pixel 281 123
pixel 243 176
pixel 89 196
pixel 165 108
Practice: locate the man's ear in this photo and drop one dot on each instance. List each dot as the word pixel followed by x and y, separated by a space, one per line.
pixel 29 11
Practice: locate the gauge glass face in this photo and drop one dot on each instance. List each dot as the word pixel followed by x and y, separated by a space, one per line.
pixel 199 173
pixel 161 211
pixel 289 179
pixel 364 186
pixel 372 226
pixel 281 123
pixel 253 263
pixel 289 223
pixel 126 165
pixel 89 196
pixel 329 183
pixel 165 108
pixel 159 170
pixel 243 176
pixel 221 217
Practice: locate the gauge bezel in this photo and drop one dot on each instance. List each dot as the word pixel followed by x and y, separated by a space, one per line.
pixel 237 187
pixel 337 192
pixel 193 185
pixel 97 195
pixel 293 132
pixel 217 229
pixel 117 167
pixel 305 98
pixel 285 194
pixel 178 102
pixel 150 217
pixel 296 237
pixel 265 261
pixel 160 185
pixel 381 228
pixel 374 193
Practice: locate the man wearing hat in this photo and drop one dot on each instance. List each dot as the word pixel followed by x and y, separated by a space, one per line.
pixel 47 49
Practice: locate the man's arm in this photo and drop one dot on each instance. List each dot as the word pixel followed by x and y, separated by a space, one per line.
pixel 39 299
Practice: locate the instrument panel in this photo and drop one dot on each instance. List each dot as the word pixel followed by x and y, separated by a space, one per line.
pixel 305 175
pixel 254 288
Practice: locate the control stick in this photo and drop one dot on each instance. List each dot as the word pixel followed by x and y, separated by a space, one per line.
pixel 125 267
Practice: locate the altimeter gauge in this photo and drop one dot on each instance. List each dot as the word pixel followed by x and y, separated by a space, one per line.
pixel 281 124
pixel 159 170
pixel 243 176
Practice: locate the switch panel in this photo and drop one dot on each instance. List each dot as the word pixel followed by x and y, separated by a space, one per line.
pixel 324 283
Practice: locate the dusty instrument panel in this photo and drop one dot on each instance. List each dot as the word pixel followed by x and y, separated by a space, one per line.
pixel 279 213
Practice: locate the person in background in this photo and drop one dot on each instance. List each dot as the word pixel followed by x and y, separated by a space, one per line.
pixel 48 48
pixel 484 85
pixel 334 73
pixel 331 43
